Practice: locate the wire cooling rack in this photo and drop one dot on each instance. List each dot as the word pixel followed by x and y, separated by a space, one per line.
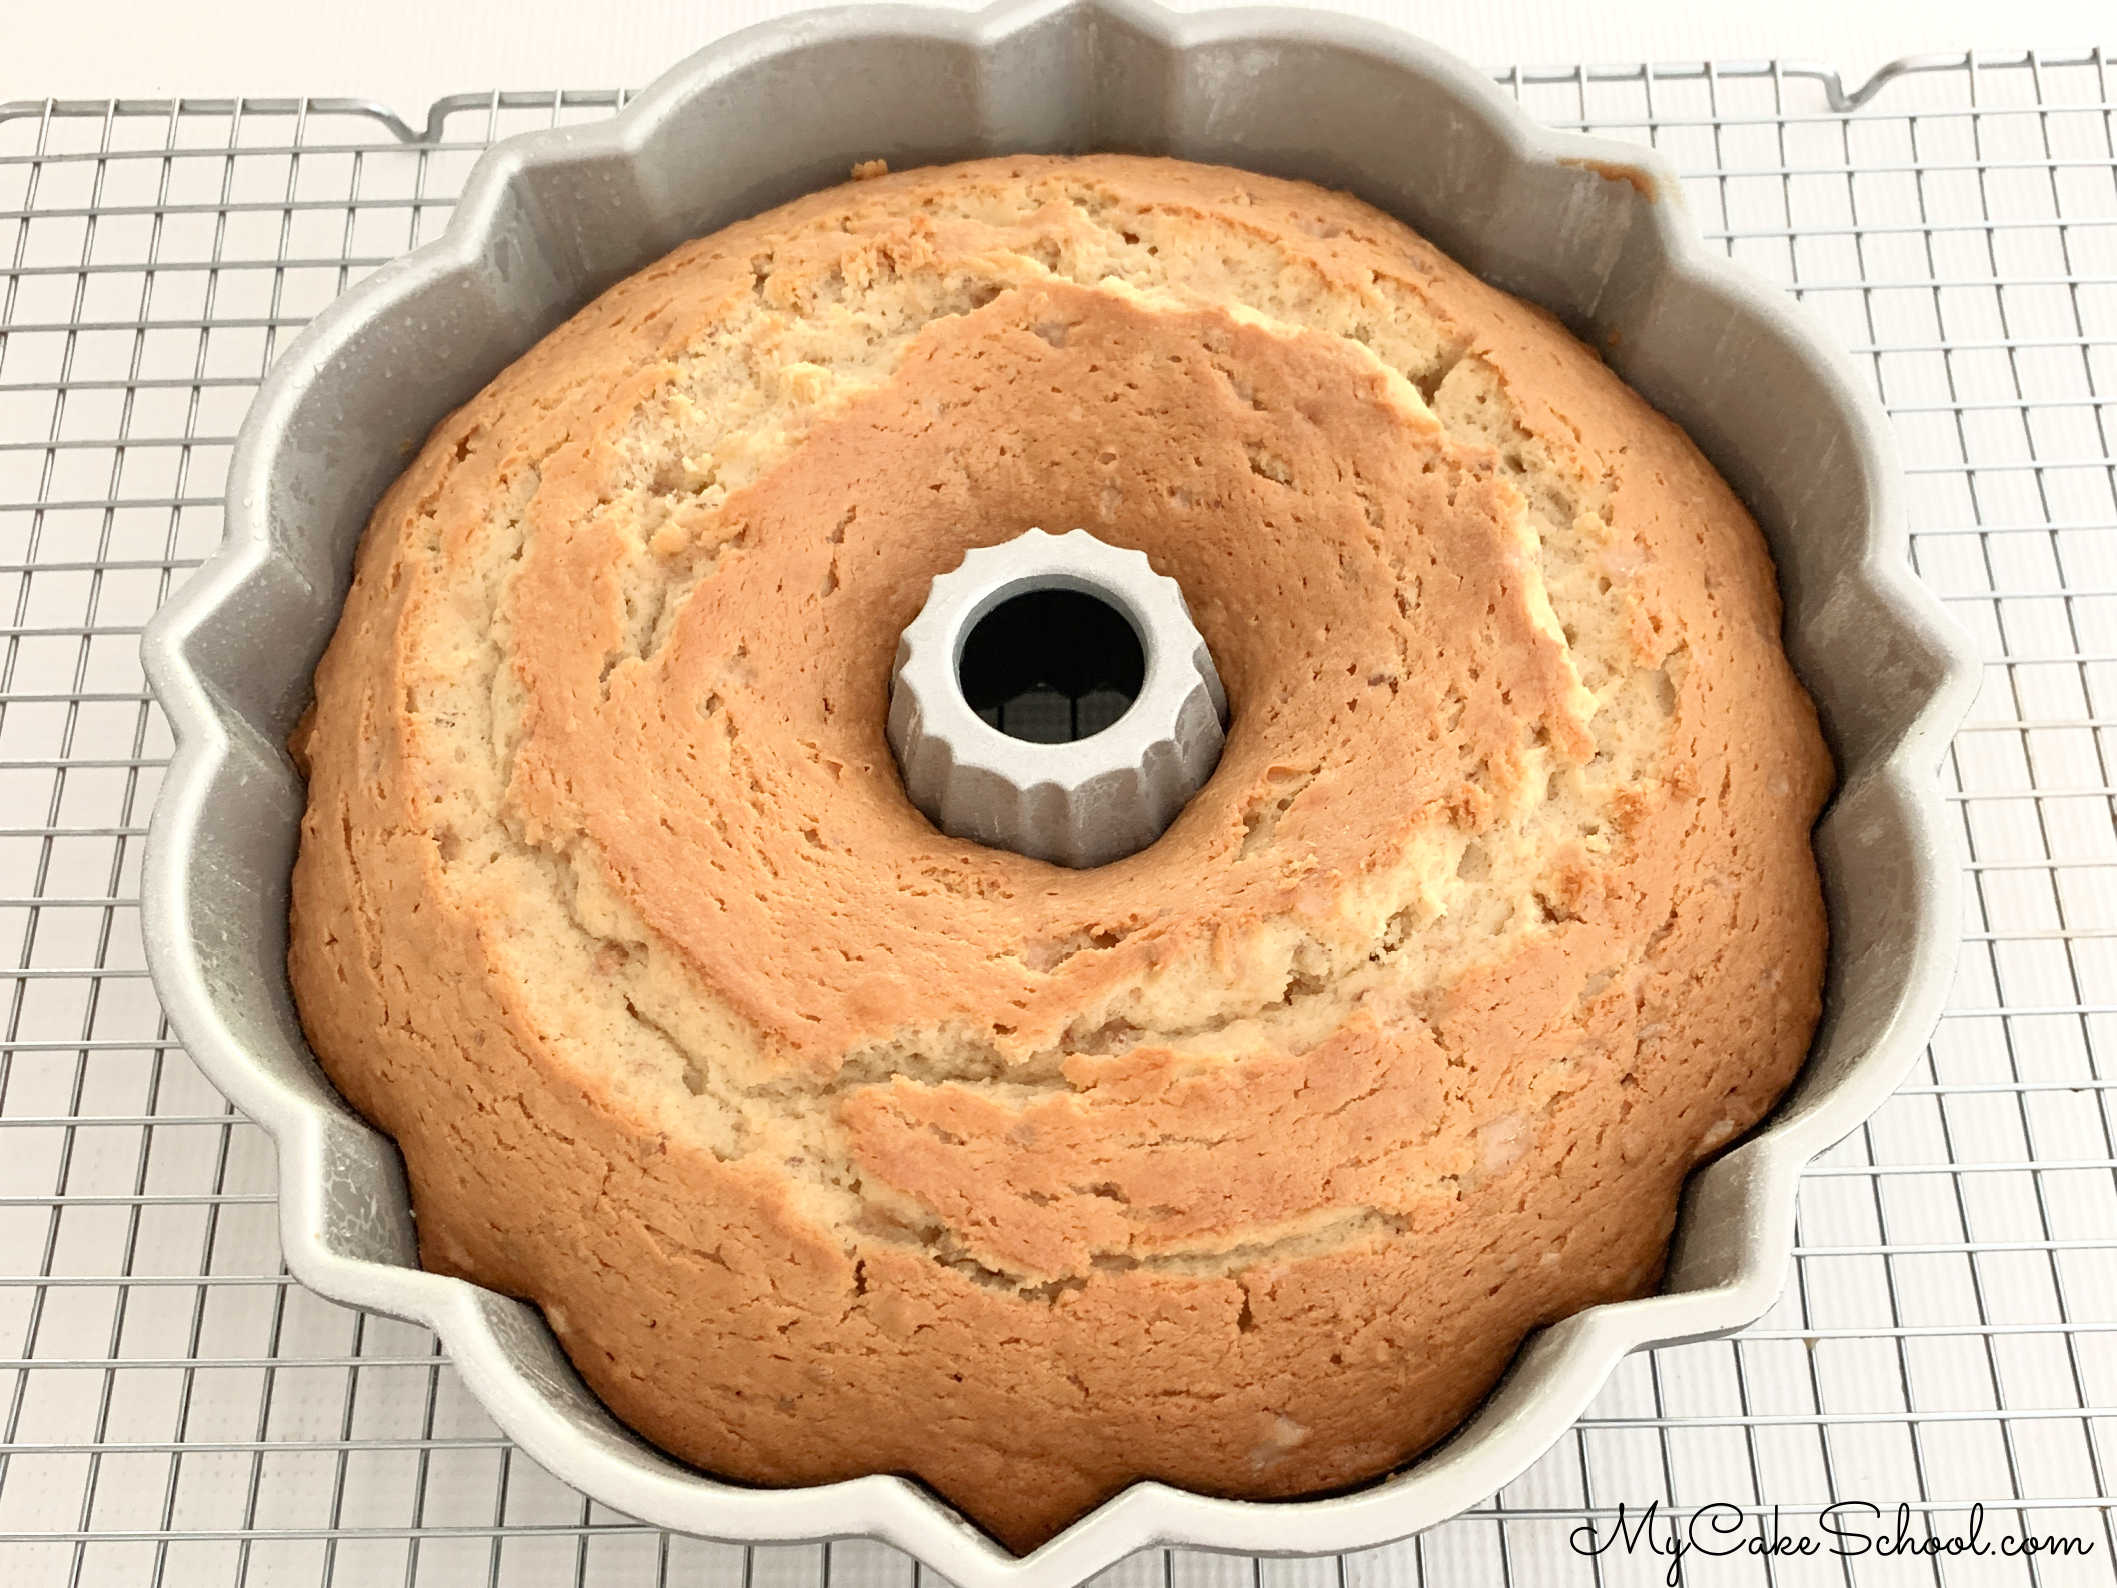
pixel 173 1408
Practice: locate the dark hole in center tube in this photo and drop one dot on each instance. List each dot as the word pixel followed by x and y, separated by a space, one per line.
pixel 1051 666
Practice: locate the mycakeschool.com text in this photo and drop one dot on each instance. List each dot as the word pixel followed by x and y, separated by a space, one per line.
pixel 1846 1530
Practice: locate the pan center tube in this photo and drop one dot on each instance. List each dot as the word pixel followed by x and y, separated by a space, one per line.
pixel 1053 697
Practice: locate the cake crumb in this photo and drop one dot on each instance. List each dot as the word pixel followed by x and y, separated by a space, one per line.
pixel 1281 1435
pixel 868 170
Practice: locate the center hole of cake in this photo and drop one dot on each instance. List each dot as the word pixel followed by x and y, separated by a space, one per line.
pixel 1052 666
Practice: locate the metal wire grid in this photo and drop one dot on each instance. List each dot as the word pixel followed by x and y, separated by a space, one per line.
pixel 176 1409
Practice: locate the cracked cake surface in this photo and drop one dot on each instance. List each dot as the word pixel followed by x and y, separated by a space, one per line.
pixel 830 1145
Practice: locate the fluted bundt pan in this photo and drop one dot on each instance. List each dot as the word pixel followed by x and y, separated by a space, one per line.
pixel 1594 231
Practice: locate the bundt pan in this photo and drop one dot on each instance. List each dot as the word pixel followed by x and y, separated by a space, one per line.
pixel 1595 231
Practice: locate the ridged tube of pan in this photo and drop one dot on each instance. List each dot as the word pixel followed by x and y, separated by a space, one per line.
pixel 1053 697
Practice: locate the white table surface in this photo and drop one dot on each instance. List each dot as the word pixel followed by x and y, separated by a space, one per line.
pixel 406 53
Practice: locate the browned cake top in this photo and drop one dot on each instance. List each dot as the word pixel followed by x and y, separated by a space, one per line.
pixel 831 1144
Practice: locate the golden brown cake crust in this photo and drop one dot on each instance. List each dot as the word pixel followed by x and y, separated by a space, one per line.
pixel 830 1145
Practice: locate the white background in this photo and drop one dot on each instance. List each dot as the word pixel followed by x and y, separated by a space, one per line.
pixel 408 52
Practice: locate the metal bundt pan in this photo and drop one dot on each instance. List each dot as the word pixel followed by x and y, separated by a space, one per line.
pixel 1593 230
